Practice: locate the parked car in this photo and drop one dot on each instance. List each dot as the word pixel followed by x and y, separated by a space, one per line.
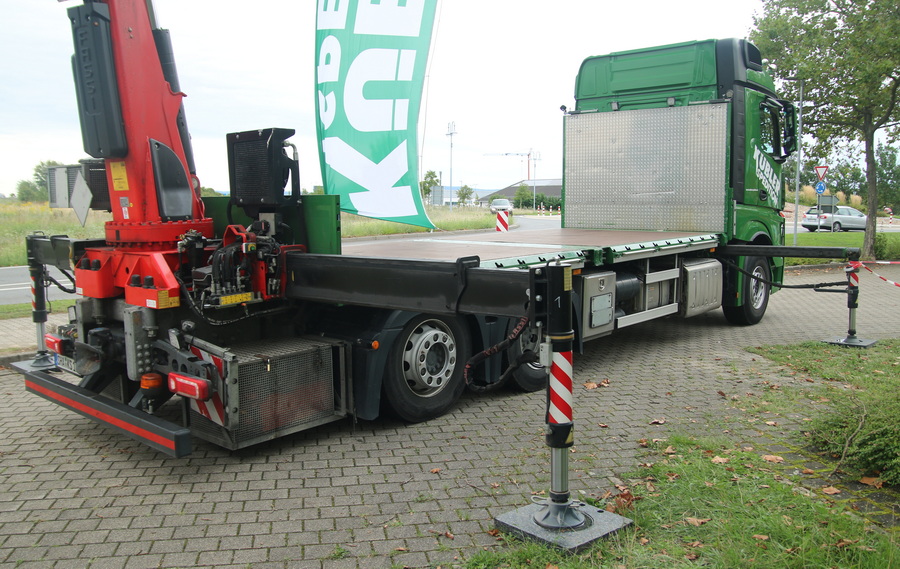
pixel 841 218
pixel 501 205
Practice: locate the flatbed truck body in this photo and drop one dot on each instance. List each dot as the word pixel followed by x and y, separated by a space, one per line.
pixel 252 318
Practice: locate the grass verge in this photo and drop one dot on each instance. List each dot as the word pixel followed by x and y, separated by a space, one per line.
pixel 20 219
pixel 709 503
pixel 444 219
pixel 887 245
pixel 8 311
pixel 855 399
pixel 704 503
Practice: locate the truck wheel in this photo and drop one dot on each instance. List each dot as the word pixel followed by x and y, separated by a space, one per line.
pixel 756 293
pixel 528 377
pixel 424 376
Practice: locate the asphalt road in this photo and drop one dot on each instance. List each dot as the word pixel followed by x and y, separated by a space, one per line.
pixel 15 285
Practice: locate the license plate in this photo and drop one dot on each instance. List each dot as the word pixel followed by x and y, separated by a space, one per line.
pixel 64 362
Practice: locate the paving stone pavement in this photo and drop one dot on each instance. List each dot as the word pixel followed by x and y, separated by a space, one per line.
pixel 384 494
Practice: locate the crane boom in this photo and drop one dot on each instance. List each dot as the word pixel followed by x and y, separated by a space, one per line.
pixel 529 154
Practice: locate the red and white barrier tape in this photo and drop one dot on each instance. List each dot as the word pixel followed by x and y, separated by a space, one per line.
pixel 879 276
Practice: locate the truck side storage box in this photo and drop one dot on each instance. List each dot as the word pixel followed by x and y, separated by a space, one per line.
pixel 272 388
pixel 702 286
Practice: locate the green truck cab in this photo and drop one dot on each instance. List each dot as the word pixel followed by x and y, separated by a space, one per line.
pixel 684 137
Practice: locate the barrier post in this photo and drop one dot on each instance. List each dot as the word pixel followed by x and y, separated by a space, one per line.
pixel 502 221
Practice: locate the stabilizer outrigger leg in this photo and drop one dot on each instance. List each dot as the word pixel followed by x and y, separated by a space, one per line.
pixel 852 291
pixel 558 521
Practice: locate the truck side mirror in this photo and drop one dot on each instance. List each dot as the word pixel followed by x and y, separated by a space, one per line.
pixel 789 120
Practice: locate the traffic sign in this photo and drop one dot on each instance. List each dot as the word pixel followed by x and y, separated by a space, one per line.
pixel 820 172
pixel 820 187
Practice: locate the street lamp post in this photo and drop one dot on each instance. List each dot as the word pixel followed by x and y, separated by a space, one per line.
pixel 535 157
pixel 451 130
pixel 799 156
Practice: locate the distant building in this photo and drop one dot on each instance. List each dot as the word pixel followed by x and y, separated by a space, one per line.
pixel 550 187
pixel 441 195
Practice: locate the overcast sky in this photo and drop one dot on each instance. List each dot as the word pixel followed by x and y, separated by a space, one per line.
pixel 500 69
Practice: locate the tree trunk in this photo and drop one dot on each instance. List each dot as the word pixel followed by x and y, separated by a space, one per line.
pixel 868 250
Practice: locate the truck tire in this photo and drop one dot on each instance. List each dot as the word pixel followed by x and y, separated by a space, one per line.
pixel 424 375
pixel 529 377
pixel 756 293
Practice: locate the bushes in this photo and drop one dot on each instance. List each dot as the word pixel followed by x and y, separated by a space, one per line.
pixel 860 390
pixel 886 246
pixel 863 430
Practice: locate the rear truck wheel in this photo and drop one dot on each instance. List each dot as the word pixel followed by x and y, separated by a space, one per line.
pixel 424 376
pixel 756 293
pixel 529 377
pixel 835 227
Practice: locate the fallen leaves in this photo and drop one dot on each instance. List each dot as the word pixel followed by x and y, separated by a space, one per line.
pixel 720 460
pixel 830 490
pixel 873 482
pixel 621 502
pixel 774 458
pixel 595 385
pixel 697 521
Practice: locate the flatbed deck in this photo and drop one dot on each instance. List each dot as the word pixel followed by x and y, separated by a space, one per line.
pixel 526 247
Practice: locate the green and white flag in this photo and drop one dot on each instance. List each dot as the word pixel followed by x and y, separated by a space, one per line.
pixel 370 67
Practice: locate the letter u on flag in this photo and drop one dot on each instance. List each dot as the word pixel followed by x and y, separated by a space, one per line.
pixel 370 66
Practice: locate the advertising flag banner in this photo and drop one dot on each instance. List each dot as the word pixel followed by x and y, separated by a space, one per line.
pixel 370 67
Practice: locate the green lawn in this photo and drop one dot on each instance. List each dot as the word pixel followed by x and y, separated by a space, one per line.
pixel 841 239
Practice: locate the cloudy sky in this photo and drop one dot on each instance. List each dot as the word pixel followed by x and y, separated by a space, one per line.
pixel 500 69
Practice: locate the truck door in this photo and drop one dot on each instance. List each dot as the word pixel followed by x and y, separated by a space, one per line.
pixel 770 139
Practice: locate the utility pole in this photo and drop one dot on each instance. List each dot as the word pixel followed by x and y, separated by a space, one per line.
pixel 535 157
pixel 451 130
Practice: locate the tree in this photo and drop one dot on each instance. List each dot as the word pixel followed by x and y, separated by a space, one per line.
pixel 888 176
pixel 848 54
pixel 524 197
pixel 464 194
pixel 847 177
pixel 36 189
pixel 431 181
